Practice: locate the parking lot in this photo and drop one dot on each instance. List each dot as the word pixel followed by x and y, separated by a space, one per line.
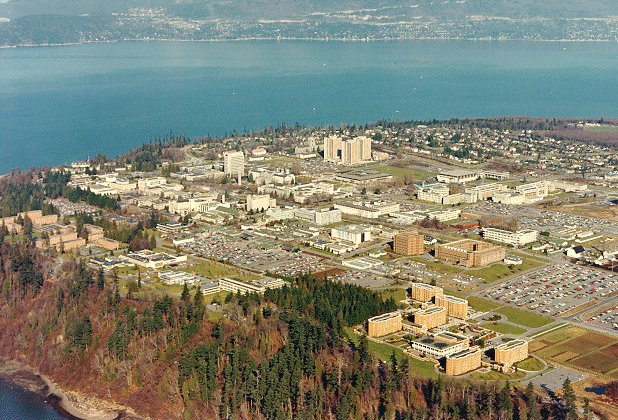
pixel 556 289
pixel 608 318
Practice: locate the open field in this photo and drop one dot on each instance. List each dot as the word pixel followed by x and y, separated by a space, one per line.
pixel 524 318
pixel 395 171
pixel 396 293
pixel 438 267
pixel 579 348
pixel 384 351
pixel 498 271
pixel 531 364
pixel 474 302
pixel 209 269
pixel 494 375
pixel 503 328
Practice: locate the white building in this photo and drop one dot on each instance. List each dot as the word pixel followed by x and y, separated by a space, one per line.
pixel 457 176
pixel 367 209
pixel 535 190
pixel 484 191
pixel 233 163
pixel 260 202
pixel 518 238
pixel 321 217
pixel 145 184
pixel 347 152
pixel 235 285
pixel 352 233
pixel 507 197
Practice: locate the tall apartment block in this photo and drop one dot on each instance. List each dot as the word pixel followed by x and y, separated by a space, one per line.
pixel 454 306
pixel 424 292
pixel 431 317
pixel 347 152
pixel 512 352
pixel 384 324
pixel 409 242
pixel 463 361
pixel 234 163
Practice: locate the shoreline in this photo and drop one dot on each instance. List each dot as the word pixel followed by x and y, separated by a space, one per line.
pixel 69 404
pixel 309 39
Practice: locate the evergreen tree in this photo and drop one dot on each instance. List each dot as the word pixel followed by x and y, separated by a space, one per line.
pixel 569 399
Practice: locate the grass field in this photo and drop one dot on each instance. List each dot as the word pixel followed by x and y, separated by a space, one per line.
pixel 397 294
pixel 475 303
pixel 524 318
pixel 499 271
pixel 384 351
pixel 503 328
pixel 438 267
pixel 531 364
pixel 395 171
pixel 209 269
pixel 493 375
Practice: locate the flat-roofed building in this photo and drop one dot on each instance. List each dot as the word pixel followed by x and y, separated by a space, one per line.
pixel 109 244
pixel 234 163
pixel 454 306
pixel 518 238
pixel 352 233
pixel 463 361
pixel 431 317
pixel 484 191
pixel 409 242
pixel 424 292
pixel 321 217
pixel 367 209
pixel 259 202
pixel 150 259
pixel 384 324
pixel 512 352
pixel 441 344
pixel 535 190
pixel 171 227
pixel 470 253
pixel 235 285
pixel 457 176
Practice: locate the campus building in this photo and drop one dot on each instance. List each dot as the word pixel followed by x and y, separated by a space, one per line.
pixel 347 152
pixel 463 361
pixel 484 191
pixel 518 238
pixel 470 253
pixel 235 285
pixel 150 259
pixel 440 345
pixel 259 202
pixel 454 306
pixel 234 163
pixel 457 176
pixel 424 292
pixel 384 324
pixel 512 352
pixel 431 317
pixel 352 233
pixel 409 242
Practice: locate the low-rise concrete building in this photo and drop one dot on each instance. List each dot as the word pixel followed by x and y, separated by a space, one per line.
pixel 441 344
pixel 470 253
pixel 518 238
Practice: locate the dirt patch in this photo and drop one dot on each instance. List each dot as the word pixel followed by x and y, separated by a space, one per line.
pixel 596 362
pixel 589 342
pixel 538 345
pixel 611 351
pixel 567 355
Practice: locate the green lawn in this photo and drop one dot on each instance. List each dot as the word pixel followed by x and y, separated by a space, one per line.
pixel 553 328
pixel 531 364
pixel 503 328
pixel 494 375
pixel 395 171
pixel 498 271
pixel 209 269
pixel 397 294
pixel 474 302
pixel 438 266
pixel 524 318
pixel 384 351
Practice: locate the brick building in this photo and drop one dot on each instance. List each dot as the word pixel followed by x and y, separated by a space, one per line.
pixel 512 352
pixel 431 317
pixel 463 361
pixel 470 253
pixel 454 306
pixel 424 292
pixel 408 242
pixel 384 324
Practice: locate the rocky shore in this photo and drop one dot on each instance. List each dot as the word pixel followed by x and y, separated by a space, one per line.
pixel 70 404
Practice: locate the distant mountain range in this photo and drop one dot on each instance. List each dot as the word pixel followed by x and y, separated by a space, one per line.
pixel 65 21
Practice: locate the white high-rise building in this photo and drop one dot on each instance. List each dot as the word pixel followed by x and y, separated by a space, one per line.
pixel 233 163
pixel 348 152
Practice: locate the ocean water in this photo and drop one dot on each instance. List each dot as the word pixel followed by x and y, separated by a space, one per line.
pixel 16 404
pixel 64 103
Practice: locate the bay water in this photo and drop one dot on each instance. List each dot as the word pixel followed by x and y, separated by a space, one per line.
pixel 16 404
pixel 59 104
